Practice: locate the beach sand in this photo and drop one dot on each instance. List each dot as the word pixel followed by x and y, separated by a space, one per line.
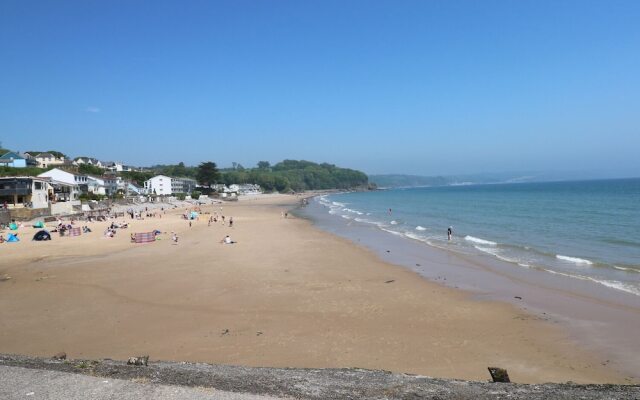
pixel 286 295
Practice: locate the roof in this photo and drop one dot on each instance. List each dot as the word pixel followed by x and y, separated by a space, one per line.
pixel 33 178
pixel 47 155
pixel 64 170
pixel 11 155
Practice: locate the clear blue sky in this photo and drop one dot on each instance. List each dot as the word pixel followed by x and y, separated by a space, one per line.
pixel 426 87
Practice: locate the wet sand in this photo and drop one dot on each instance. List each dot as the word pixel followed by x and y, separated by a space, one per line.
pixel 286 295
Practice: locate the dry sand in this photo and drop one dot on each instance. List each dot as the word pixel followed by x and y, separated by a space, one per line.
pixel 286 295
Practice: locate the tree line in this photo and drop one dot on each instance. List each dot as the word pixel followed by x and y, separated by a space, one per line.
pixel 287 175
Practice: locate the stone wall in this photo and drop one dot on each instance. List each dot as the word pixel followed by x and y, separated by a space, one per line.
pixel 27 214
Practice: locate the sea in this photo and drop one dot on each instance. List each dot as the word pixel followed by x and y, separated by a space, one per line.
pixel 585 230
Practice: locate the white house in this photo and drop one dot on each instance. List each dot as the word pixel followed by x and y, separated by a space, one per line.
pixel 114 166
pixel 159 184
pixel 96 185
pixel 70 178
pixel 87 160
pixel 44 160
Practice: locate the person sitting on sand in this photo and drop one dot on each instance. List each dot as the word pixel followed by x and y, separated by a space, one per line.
pixel 227 240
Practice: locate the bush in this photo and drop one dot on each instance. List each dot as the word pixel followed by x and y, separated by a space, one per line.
pixel 195 195
pixel 181 196
pixel 91 196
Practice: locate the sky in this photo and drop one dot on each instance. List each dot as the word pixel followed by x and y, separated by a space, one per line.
pixel 420 87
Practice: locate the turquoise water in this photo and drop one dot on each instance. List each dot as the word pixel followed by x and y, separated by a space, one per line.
pixel 587 230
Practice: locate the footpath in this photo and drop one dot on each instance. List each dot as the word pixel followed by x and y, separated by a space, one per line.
pixel 38 378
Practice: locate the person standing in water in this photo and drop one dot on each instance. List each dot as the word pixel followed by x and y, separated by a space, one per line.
pixel 449 233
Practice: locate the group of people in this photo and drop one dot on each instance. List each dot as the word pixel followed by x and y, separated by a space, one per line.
pixel 213 219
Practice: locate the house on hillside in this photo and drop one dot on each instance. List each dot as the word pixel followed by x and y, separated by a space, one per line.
pixel 46 159
pixel 133 189
pixel 13 159
pixel 25 192
pixel 87 160
pixel 113 166
pixel 96 185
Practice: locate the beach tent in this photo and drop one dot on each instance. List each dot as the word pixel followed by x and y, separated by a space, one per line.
pixel 13 226
pixel 12 238
pixel 193 215
pixel 42 235
pixel 38 224
pixel 145 237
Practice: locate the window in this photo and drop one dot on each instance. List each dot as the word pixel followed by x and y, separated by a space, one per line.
pixel 37 185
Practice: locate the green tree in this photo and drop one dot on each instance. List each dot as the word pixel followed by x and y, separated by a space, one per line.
pixel 264 165
pixel 207 173
pixel 89 169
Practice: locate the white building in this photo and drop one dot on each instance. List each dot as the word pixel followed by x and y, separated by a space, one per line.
pixel 96 185
pixel 163 185
pixel 87 160
pixel 248 189
pixel 25 192
pixel 159 184
pixel 183 185
pixel 44 160
pixel 60 175
pixel 114 166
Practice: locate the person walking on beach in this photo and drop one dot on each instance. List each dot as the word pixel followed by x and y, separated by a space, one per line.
pixel 230 222
pixel 449 233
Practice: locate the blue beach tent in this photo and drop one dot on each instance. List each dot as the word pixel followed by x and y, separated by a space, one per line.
pixel 12 238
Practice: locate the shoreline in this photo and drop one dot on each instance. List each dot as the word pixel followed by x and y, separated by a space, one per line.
pixel 286 295
pixel 596 317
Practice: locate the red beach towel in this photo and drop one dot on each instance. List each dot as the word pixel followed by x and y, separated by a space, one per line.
pixel 75 231
pixel 145 237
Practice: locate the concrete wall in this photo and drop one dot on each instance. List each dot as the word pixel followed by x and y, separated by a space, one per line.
pixel 26 214
pixel 64 207
pixel 5 216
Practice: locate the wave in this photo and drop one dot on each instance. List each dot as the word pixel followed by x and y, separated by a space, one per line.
pixel 574 260
pixel 498 254
pixel 394 222
pixel 420 228
pixel 627 269
pixel 392 232
pixel 480 241
pixel 416 237
pixel 625 287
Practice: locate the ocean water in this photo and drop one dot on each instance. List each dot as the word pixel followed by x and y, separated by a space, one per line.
pixel 588 230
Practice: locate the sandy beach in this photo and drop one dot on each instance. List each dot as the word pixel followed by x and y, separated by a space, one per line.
pixel 286 295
